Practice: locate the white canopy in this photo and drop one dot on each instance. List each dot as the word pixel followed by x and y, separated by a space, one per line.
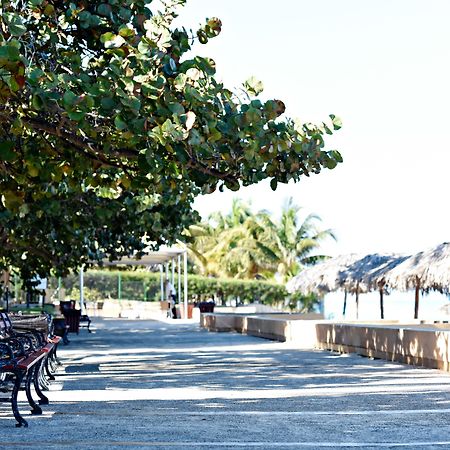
pixel 163 255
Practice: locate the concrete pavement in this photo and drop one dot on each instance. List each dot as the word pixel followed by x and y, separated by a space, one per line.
pixel 171 385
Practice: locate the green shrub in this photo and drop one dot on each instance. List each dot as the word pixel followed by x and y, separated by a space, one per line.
pixel 140 285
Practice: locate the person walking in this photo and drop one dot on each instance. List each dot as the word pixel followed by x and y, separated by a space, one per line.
pixel 171 296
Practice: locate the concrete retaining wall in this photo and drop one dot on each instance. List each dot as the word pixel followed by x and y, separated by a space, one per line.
pixel 271 327
pixel 422 345
pixel 418 344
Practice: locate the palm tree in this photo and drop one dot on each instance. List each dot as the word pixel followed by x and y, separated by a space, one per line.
pixel 293 243
pixel 240 212
pixel 240 252
pixel 246 245
pixel 203 240
pixel 227 245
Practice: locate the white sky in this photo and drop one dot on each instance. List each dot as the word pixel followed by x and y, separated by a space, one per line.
pixel 383 67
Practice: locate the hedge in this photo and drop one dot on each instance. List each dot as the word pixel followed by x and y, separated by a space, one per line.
pixel 140 285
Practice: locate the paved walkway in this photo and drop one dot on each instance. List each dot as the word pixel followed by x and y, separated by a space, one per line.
pixel 155 385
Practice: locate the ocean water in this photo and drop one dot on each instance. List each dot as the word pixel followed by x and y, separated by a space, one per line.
pixel 397 306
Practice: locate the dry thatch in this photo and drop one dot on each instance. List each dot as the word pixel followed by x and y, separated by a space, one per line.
pixel 324 277
pixel 428 270
pixel 368 273
pixel 353 273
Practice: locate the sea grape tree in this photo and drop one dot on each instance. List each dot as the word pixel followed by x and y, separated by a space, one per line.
pixel 107 128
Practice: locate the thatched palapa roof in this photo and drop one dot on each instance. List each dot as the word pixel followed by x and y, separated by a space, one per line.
pixel 368 273
pixel 350 272
pixel 428 270
pixel 324 277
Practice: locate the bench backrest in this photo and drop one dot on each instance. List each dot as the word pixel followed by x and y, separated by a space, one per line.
pixel 5 324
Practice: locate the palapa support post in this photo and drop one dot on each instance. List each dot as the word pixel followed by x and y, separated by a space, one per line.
pixel 417 296
pixel 345 303
pixel 357 300
pixel 382 302
pixel 381 285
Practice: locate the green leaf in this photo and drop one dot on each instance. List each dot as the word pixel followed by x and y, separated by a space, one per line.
pixel 126 32
pixel 13 199
pixel 37 102
pixel 104 9
pixel 35 75
pixel 337 122
pixel 232 185
pixel 336 156
pixel 107 37
pixel 144 46
pixel 132 102
pixel 108 103
pixel 49 9
pixel 180 81
pixel 273 184
pixel 125 14
pixel 9 53
pixel 176 108
pixel 24 210
pixel 120 123
pixel 253 116
pixel 15 24
pixel 115 42
pixel 69 99
pixel 6 151
pixel 253 86
pixel 76 115
pixel 330 163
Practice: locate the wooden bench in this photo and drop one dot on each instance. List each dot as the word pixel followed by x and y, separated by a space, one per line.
pixel 25 357
pixel 45 336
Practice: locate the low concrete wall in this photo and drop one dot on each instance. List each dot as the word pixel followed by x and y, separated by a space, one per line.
pixel 415 343
pixel 275 327
pixel 247 309
pixel 421 345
